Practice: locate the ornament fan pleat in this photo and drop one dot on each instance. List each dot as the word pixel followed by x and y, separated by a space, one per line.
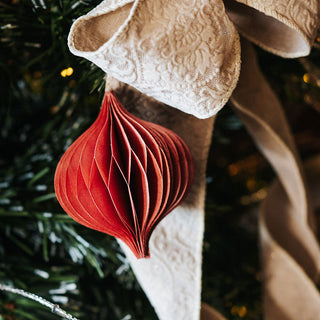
pixel 123 175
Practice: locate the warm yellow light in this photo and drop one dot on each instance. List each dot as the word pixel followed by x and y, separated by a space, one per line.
pixel 306 78
pixel 234 310
pixel 66 72
pixel 242 311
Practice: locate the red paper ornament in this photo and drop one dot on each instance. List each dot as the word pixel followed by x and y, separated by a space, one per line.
pixel 123 175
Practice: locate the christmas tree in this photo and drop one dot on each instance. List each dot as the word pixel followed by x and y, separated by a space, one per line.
pixel 48 98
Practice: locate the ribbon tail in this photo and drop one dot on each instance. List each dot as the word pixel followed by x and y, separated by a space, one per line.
pixel 290 251
pixel 171 277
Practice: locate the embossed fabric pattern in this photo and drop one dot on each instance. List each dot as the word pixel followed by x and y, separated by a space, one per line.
pixel 285 28
pixel 159 43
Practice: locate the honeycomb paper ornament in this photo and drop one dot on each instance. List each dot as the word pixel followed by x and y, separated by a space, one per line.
pixel 123 175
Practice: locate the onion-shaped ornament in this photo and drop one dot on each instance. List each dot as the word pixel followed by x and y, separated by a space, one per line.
pixel 123 175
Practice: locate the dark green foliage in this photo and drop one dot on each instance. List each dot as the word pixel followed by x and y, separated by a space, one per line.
pixel 42 249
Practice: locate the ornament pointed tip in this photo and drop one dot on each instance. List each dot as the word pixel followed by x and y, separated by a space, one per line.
pixel 142 255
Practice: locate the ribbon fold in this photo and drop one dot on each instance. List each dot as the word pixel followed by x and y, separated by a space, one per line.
pixel 186 53
pixel 290 250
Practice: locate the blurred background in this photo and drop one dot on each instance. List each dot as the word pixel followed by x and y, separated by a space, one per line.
pixel 48 98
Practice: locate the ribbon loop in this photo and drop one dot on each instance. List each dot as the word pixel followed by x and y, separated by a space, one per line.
pixel 183 53
pixel 285 28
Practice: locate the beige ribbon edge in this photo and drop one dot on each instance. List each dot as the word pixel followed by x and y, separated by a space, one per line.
pixel 265 234
pixel 274 14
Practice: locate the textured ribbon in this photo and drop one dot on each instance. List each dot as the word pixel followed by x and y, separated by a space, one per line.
pixel 155 45
pixel 186 53
pixel 290 251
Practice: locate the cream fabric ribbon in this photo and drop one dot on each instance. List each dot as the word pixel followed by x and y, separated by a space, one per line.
pixel 290 250
pixel 186 53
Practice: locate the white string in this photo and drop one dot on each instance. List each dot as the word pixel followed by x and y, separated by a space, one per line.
pixel 55 308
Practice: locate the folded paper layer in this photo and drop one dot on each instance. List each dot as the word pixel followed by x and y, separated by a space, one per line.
pixel 123 176
pixel 183 53
pixel 171 278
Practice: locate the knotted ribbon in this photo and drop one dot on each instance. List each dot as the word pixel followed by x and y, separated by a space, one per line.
pixel 186 54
